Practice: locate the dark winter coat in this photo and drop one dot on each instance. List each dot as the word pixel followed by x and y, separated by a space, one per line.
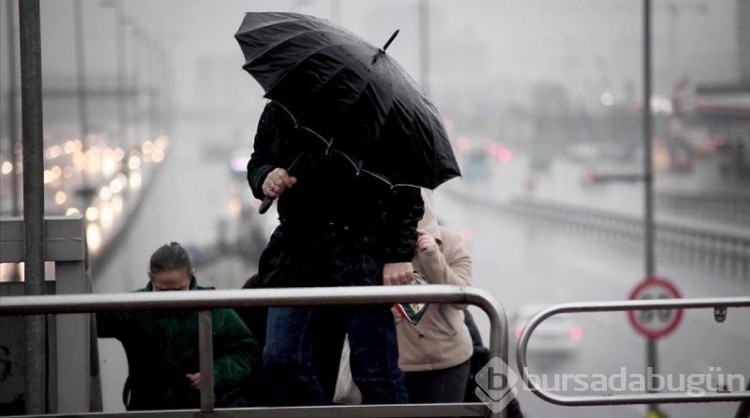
pixel 337 228
pixel 162 347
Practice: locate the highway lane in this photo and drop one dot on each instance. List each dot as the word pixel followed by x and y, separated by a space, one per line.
pixel 522 262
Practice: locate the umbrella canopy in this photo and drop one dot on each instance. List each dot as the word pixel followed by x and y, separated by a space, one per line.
pixel 351 95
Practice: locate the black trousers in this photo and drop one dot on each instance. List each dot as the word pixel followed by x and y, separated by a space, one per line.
pixel 438 386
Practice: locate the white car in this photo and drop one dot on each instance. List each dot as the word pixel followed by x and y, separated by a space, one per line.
pixel 556 335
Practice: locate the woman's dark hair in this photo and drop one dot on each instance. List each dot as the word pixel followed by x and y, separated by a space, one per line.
pixel 168 258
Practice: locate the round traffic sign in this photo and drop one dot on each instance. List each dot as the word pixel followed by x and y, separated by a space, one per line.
pixel 655 323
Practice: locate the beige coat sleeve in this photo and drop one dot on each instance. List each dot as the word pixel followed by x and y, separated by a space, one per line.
pixel 451 264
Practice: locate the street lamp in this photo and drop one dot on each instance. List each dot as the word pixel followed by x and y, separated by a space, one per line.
pixel 134 80
pixel 166 88
pixel 335 10
pixel 424 46
pixel 149 84
pixel 120 62
pixel 13 110
pixel 86 191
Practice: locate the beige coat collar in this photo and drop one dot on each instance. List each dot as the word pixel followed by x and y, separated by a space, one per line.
pixel 428 222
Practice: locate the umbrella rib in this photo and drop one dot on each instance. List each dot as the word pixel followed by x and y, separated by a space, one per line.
pixel 392 86
pixel 434 128
pixel 291 115
pixel 298 126
pixel 392 94
pixel 319 136
pixel 385 180
pixel 379 177
pixel 296 122
pixel 323 47
pixel 356 167
pixel 287 19
pixel 299 19
pixel 330 79
pixel 270 48
pixel 357 93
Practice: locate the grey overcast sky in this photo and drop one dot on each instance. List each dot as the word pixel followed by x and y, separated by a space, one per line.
pixel 586 45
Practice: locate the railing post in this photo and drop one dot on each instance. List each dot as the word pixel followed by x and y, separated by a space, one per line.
pixel 33 198
pixel 205 342
pixel 498 332
pixel 66 338
pixel 66 246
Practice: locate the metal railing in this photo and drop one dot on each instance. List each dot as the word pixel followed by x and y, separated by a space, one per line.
pixel 64 343
pixel 718 304
pixel 204 301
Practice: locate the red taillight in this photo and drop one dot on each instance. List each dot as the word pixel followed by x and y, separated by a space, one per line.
pixel 575 333
pixel 498 150
pixel 519 330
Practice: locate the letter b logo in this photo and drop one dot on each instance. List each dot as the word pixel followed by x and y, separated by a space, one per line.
pixel 495 384
pixel 497 380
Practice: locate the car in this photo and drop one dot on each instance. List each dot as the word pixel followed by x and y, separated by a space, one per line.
pixel 557 335
pixel 584 152
pixel 477 166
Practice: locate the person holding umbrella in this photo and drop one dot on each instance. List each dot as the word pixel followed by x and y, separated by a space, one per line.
pixel 336 229
pixel 344 145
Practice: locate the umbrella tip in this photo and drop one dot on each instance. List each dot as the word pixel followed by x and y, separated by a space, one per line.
pixel 388 43
pixel 381 51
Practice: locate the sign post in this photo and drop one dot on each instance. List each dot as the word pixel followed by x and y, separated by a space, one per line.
pixel 654 324
pixel 648 201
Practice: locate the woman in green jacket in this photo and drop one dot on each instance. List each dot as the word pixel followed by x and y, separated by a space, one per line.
pixel 162 347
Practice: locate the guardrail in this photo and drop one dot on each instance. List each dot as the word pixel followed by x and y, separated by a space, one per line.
pixel 727 250
pixel 728 207
pixel 204 301
pixel 718 304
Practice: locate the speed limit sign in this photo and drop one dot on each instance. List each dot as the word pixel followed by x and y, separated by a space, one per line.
pixel 655 323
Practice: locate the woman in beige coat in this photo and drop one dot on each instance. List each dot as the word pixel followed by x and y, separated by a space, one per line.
pixel 434 354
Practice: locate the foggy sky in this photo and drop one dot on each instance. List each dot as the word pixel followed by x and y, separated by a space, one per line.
pixel 497 46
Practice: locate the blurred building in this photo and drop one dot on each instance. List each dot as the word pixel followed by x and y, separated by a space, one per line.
pixel 724 109
pixel 743 38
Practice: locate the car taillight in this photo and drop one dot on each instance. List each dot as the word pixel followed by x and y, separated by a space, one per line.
pixel 589 177
pixel 575 333
pixel 519 330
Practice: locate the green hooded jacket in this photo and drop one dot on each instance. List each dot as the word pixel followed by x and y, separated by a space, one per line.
pixel 162 348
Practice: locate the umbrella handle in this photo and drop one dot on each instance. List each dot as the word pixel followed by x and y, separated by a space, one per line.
pixel 267 202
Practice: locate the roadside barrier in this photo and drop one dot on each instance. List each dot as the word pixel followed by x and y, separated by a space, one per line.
pixel 719 306
pixel 205 301
pixel 726 251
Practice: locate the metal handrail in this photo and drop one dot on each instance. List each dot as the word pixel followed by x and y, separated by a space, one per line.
pixel 639 305
pixel 203 301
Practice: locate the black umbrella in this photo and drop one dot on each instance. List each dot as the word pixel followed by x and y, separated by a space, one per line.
pixel 351 95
